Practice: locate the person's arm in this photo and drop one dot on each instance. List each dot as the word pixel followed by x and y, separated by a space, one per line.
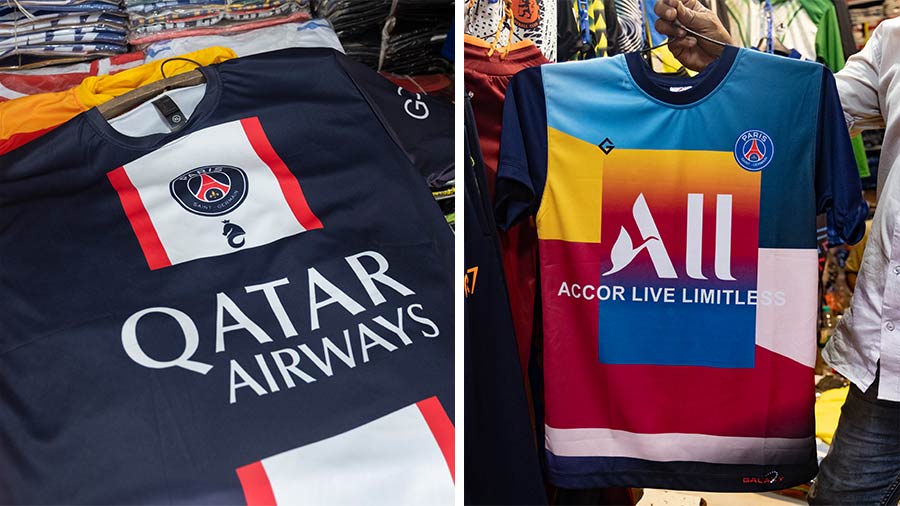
pixel 857 85
pixel 692 53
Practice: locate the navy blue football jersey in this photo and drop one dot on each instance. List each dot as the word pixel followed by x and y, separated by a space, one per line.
pixel 502 465
pixel 253 308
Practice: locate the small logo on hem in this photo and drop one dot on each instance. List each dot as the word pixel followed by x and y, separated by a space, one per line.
pixel 771 477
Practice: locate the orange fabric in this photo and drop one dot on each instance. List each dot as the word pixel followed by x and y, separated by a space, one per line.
pixel 20 139
pixel 26 118
pixel 475 41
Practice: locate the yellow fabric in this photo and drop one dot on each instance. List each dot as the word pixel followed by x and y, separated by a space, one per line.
pixel 828 411
pixel 665 62
pixel 39 112
pixel 571 205
pixel 854 259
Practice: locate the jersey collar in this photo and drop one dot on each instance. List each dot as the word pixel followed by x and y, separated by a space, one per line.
pixel 207 105
pixel 659 86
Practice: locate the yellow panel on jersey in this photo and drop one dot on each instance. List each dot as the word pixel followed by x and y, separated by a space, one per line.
pixel 42 112
pixel 570 209
pixel 576 170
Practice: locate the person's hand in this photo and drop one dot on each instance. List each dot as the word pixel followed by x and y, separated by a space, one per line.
pixel 692 53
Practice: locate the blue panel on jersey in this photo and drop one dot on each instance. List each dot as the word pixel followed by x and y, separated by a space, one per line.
pixel 725 337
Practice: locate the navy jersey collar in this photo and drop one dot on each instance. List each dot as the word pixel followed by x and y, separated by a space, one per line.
pixel 659 85
pixel 204 108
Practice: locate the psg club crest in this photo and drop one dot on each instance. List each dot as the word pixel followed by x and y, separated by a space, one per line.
pixel 754 150
pixel 213 190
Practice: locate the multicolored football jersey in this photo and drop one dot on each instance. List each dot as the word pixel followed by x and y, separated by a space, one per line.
pixel 676 225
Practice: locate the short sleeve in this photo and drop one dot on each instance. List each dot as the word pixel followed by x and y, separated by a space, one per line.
pixel 838 187
pixel 522 166
pixel 421 125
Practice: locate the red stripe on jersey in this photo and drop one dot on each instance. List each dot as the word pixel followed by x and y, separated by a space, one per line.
pixel 255 482
pixel 143 227
pixel 289 184
pixel 17 140
pixel 442 429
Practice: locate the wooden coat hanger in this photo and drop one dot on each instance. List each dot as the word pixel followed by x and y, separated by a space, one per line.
pixel 136 97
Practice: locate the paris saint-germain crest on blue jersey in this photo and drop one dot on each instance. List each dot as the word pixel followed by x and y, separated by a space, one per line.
pixel 212 190
pixel 754 150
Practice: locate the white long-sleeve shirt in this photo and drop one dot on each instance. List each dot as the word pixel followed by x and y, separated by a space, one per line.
pixel 869 334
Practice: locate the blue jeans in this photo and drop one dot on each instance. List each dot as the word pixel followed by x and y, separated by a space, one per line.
pixel 863 464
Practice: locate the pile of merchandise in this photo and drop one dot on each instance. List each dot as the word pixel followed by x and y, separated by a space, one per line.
pixel 36 33
pixel 406 40
pixel 154 20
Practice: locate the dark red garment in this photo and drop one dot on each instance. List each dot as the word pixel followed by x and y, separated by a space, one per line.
pixel 486 78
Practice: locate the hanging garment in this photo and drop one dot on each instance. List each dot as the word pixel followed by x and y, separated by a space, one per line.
pixel 794 25
pixel 503 467
pixel 679 271
pixel 809 26
pixel 631 32
pixel 568 34
pixel 845 26
pixel 486 78
pixel 602 30
pixel 25 119
pixel 254 308
pixel 533 20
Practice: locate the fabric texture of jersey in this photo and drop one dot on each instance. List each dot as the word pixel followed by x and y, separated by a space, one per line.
pixel 26 118
pixel 486 78
pixel 678 269
pixel 237 310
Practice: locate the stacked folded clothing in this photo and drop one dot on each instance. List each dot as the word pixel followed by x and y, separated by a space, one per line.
pixel 36 33
pixel 313 33
pixel 415 32
pixel 154 20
